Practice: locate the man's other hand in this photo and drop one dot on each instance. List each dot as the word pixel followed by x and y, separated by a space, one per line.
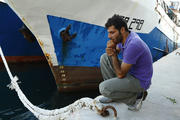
pixel 111 51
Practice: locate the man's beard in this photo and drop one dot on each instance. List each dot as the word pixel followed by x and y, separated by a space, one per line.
pixel 119 39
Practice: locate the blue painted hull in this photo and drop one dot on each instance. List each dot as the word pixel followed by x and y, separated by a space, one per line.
pixel 90 42
pixel 12 41
pixel 156 39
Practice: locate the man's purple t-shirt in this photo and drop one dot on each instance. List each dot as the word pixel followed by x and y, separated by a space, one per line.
pixel 136 52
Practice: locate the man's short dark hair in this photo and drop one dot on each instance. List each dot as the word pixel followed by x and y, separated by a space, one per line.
pixel 117 21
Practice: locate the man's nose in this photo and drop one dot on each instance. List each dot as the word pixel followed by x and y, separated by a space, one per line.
pixel 109 36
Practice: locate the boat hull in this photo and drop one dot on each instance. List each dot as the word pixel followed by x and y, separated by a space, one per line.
pixel 15 47
pixel 75 63
pixel 70 78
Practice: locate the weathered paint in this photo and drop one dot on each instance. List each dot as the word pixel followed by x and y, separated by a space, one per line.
pixel 12 41
pixel 19 59
pixel 85 49
pixel 90 42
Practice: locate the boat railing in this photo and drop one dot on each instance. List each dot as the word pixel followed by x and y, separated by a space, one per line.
pixel 171 12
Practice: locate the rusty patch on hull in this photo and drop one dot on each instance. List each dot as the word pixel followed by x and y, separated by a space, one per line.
pixel 70 79
pixel 24 59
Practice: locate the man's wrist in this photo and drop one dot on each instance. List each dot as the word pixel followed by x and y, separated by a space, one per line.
pixel 115 54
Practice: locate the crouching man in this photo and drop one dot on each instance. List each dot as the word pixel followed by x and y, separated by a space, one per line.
pixel 128 79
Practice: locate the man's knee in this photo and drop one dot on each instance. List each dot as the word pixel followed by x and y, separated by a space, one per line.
pixel 104 89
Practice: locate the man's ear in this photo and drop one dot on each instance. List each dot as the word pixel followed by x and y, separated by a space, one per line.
pixel 122 30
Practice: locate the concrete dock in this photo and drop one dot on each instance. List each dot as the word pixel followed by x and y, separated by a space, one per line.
pixel 162 102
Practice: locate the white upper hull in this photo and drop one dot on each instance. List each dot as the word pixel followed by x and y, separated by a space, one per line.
pixel 34 15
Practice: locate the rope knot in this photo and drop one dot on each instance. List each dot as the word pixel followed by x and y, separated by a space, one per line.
pixel 13 83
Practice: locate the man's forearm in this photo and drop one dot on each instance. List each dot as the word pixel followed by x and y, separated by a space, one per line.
pixel 117 66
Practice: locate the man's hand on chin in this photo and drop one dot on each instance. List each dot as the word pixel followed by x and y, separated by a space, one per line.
pixel 111 48
pixel 111 51
pixel 111 44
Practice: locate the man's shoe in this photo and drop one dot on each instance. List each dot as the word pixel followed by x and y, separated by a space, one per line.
pixel 142 94
pixel 138 104
pixel 105 100
pixel 145 95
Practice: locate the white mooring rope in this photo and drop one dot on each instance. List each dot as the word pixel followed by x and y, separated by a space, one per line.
pixel 42 114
